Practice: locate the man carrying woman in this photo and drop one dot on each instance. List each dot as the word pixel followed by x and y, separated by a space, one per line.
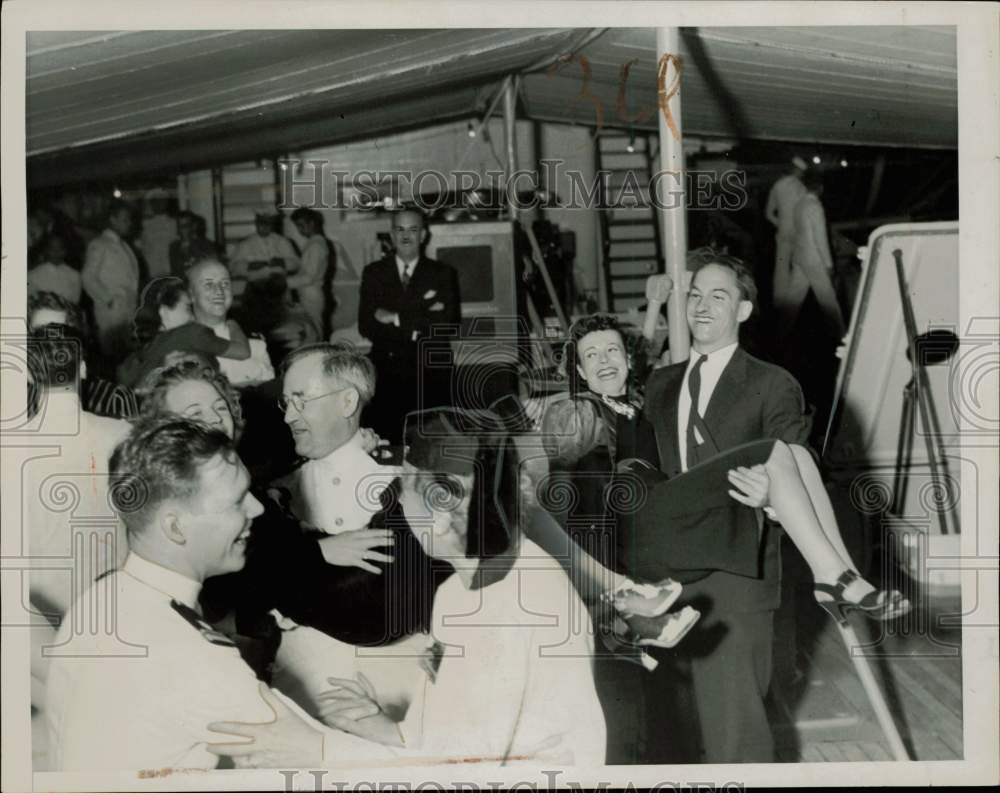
pixel 727 431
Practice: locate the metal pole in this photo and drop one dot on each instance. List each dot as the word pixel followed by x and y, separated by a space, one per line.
pixel 218 212
pixel 672 192
pixel 481 123
pixel 510 140
pixel 182 191
pixel 873 692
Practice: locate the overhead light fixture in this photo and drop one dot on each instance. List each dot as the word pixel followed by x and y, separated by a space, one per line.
pixel 843 163
pixel 117 193
pixel 631 144
pixel 816 159
pixel 472 130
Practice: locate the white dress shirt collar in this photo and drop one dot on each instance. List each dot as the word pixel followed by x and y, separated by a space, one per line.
pixel 711 372
pixel 716 360
pixel 169 582
pixel 338 456
pixel 403 267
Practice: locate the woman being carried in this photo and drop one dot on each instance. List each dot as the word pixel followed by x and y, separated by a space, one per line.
pixel 603 418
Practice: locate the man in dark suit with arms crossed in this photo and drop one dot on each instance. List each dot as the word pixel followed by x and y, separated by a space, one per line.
pixel 721 398
pixel 407 300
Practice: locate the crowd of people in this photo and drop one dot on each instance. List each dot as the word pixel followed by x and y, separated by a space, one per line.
pixel 108 274
pixel 288 592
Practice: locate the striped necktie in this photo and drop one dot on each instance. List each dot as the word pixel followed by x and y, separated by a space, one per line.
pixel 694 417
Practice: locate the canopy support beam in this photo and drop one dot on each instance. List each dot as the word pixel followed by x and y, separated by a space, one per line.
pixel 671 195
pixel 510 142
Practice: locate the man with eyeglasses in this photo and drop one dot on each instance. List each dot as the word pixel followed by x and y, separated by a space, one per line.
pixel 387 582
pixel 324 389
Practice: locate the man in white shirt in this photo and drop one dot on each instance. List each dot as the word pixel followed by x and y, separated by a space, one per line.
pixel 338 488
pixel 158 231
pixel 72 534
pixel 311 280
pixel 264 251
pixel 811 266
pixel 338 491
pixel 141 696
pixel 54 274
pixel 111 277
pixel 780 211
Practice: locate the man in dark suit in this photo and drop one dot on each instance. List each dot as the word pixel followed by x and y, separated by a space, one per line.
pixel 721 398
pixel 407 302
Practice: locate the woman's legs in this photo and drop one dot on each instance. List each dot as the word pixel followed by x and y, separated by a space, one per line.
pixel 589 576
pixel 803 510
pixel 643 609
pixel 821 501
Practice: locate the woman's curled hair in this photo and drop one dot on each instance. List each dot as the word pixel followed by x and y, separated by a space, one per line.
pixel 153 389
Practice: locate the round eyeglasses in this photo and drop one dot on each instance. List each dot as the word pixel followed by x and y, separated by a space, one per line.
pixel 299 402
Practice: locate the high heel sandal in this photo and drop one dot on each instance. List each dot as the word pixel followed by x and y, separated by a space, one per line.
pixel 643 600
pixel 880 605
pixel 663 631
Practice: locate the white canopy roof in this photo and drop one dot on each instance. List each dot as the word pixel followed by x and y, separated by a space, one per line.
pixel 101 104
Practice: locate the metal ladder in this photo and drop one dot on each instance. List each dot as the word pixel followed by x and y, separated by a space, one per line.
pixel 630 234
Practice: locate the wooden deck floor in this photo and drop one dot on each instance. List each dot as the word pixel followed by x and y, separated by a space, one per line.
pixel 824 715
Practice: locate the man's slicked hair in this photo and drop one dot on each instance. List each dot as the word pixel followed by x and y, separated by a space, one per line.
pixel 702 257
pixel 159 461
pixel 340 360
pixel 412 210
pixel 56 302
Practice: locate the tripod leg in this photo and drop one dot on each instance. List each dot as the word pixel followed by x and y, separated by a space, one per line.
pixel 932 437
pixel 920 382
pixel 873 692
pixel 904 451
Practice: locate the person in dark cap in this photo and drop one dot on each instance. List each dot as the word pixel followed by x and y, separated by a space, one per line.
pixel 508 667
